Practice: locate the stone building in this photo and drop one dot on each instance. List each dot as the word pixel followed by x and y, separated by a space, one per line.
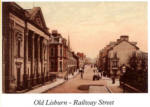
pixel 58 53
pixel 116 54
pixel 25 48
pixel 62 59
pixel 73 62
pixel 81 58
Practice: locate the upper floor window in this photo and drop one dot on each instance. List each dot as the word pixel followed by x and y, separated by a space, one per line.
pixel 18 44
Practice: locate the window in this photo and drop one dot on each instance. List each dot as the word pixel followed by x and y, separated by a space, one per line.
pixel 114 64
pixel 52 65
pixel 60 51
pixel 52 50
pixel 18 44
pixel 60 66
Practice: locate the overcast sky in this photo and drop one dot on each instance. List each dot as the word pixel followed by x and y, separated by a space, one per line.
pixel 92 25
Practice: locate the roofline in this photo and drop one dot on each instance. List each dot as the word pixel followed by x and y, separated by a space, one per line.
pixel 122 41
pixel 26 19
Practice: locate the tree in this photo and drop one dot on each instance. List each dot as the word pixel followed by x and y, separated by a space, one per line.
pixel 133 61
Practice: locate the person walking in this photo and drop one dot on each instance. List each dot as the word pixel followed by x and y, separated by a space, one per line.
pixel 113 78
pixel 81 72
pixel 67 73
pixel 100 72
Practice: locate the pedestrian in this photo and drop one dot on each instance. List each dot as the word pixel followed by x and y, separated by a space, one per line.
pixel 113 79
pixel 94 69
pixel 96 75
pixel 100 72
pixel 67 73
pixel 66 76
pixel 81 72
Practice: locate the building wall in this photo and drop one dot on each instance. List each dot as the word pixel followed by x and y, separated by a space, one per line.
pixel 20 67
pixel 53 58
pixel 124 50
pixel 17 49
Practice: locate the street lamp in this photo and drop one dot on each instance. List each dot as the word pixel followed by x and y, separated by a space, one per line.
pixel 114 67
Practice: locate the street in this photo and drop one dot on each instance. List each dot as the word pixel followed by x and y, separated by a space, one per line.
pixel 78 85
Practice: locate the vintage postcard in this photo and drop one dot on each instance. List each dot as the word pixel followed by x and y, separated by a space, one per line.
pixel 74 47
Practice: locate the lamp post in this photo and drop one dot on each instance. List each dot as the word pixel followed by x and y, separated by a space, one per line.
pixel 123 69
pixel 114 67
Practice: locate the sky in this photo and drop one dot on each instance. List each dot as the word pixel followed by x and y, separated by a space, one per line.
pixel 92 25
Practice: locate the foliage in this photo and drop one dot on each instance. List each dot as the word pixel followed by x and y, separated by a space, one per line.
pixel 137 78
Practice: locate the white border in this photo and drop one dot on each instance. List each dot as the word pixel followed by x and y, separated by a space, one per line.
pixel 74 0
pixel 121 100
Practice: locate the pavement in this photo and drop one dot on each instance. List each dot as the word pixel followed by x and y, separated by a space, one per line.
pixel 49 86
pixel 115 88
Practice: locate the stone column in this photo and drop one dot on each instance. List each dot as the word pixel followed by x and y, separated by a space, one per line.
pixel 25 76
pixel 48 62
pixel 32 61
pixel 47 67
pixel 38 59
pixel 42 62
pixel 10 79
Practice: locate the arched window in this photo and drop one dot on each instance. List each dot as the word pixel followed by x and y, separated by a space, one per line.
pixel 18 44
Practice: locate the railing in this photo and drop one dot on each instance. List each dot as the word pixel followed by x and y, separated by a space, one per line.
pixel 129 88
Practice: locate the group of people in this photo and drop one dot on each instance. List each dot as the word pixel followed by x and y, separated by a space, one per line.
pixel 98 73
pixel 95 69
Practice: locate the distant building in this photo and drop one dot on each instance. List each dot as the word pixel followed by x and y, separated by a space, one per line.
pixel 58 53
pixel 62 59
pixel 82 59
pixel 72 61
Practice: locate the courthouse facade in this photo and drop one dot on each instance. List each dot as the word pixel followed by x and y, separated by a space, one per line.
pixel 25 48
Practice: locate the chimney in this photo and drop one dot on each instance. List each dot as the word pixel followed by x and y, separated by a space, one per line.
pixel 124 37
pixel 118 40
pixel 54 33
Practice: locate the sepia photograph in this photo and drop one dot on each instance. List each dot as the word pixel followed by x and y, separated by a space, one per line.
pixel 74 47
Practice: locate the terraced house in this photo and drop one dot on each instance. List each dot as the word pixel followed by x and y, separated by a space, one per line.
pixel 116 55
